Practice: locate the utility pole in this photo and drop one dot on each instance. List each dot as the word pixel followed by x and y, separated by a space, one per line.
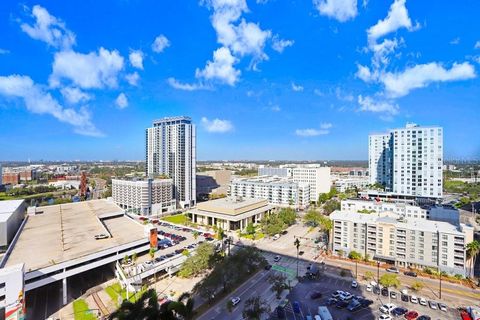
pixel 297 244
pixel 356 269
pixel 440 291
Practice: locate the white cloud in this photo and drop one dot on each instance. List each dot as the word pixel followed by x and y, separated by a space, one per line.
pixel 296 87
pixel 136 59
pixel 92 70
pixel 455 41
pixel 326 126
pixel 160 43
pixel 364 73
pixel 217 125
pixel 133 78
pixel 275 108
pixel 397 18
pixel 344 96
pixel 174 83
pixel 477 45
pixel 74 95
pixel 121 102
pixel 221 68
pixel 48 29
pixel 342 10
pixel 370 105
pixel 419 76
pixel 383 50
pixel 4 51
pixel 38 101
pixel 318 92
pixel 280 44
pixel 324 129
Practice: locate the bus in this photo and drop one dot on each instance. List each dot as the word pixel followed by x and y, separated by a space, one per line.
pixel 324 313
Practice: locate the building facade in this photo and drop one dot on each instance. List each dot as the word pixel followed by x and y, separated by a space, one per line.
pixel 145 197
pixel 408 161
pixel 12 213
pixel 171 151
pixel 213 182
pixel 404 242
pixel 278 191
pixel 343 184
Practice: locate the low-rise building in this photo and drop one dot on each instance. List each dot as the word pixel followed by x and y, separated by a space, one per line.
pixel 231 213
pixel 278 191
pixel 343 184
pixel 145 197
pixel 12 213
pixel 404 242
pixel 12 178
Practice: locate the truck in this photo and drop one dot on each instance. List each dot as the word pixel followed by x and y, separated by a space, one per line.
pixel 324 313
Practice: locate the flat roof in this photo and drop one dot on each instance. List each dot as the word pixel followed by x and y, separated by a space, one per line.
pixel 232 205
pixel 9 206
pixel 64 232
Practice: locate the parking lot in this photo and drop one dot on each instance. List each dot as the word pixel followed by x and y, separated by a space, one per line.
pixel 327 285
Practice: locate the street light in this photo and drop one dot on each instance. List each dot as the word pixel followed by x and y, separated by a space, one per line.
pixel 440 292
pixel 297 244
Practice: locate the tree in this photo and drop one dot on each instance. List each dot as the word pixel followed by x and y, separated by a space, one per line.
pixel 146 307
pixel 417 285
pixel 183 306
pixel 151 252
pixel 312 218
pixel 220 234
pixel 195 234
pixel 389 280
pixel 254 308
pixel 288 216
pixel 272 225
pixel 473 249
pixel 368 275
pixel 278 282
pixel 250 229
pixel 326 225
pixel 199 262
pixel 330 206
pixel 354 255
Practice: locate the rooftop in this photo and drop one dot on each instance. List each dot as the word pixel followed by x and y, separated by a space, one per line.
pixel 9 206
pixel 64 232
pixel 231 205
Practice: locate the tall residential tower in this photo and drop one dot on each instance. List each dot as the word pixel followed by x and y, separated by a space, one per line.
pixel 408 161
pixel 171 151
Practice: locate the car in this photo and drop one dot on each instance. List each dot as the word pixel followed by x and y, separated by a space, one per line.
pixel 209 239
pixel 169 255
pixel 300 253
pixel 385 292
pixel 337 294
pixel 424 317
pixel 385 317
pixel 315 295
pixel 369 288
pixel 399 311
pixel 354 305
pixel 393 295
pixel 235 301
pixel 346 296
pixel 422 301
pixel 276 237
pixel 276 259
pixel 376 290
pixel 366 302
pixel 296 306
pixel 411 315
pixel 268 267
pixel 392 270
pixel 465 316
pixel 101 236
pixel 148 264
pixel 284 232
pixel 387 308
pixel 404 298
pixel 413 299
pixel 433 305
pixel 410 274
pixel 354 284
pixel 158 259
pixel 331 301
pixel 341 304
pixel 443 307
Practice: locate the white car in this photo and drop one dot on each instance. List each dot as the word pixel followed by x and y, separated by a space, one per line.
pixel 422 301
pixel 442 307
pixel 369 288
pixel 413 299
pixel 385 317
pixel 354 284
pixel 337 294
pixel 235 301
pixel 387 308
pixel 373 283
pixel 346 296
pixel 276 259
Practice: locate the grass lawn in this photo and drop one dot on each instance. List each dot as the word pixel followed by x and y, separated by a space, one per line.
pixel 258 236
pixel 178 219
pixel 115 290
pixel 81 310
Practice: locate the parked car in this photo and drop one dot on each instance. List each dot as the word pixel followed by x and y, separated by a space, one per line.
pixel 346 296
pixel 399 311
pixel 316 295
pixel 276 237
pixel 341 304
pixel 422 301
pixel 411 315
pixel 331 301
pixel 443 307
pixel 387 308
pixel 369 288
pixel 413 299
pixel 235 301
pixel 300 253
pixel 465 316
pixel 276 259
pixel 366 302
pixel 385 317
pixel 404 298
pixel 393 270
pixel 101 236
pixel 385 292
pixel 433 305
pixel 393 295
pixel 337 294
pixel 268 267
pixel 354 284
pixel 424 317
pixel 410 273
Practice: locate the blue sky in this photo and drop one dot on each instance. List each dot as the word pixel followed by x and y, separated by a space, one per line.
pixel 264 79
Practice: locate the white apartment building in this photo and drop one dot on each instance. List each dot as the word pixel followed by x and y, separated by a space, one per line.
pixel 278 191
pixel 316 176
pixel 404 242
pixel 145 197
pixel 416 155
pixel 343 184
pixel 171 151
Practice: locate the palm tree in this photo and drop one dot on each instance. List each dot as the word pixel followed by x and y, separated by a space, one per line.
pixel 473 249
pixel 146 307
pixel 254 308
pixel 183 306
pixel 297 245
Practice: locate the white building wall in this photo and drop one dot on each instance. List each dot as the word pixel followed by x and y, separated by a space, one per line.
pixel 318 178
pixel 380 159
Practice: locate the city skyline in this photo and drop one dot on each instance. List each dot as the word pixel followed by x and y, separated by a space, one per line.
pixel 257 87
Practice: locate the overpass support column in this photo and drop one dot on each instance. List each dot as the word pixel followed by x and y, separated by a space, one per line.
pixel 64 291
